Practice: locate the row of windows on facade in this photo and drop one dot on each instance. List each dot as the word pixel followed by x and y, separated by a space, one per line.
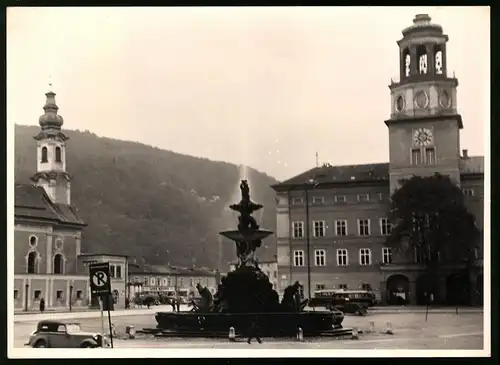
pixel 365 197
pixel 365 257
pixel 169 282
pixel 58 265
pixel 57 157
pixel 340 228
pixel 37 294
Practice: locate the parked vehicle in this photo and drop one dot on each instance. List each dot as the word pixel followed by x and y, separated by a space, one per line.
pixel 347 301
pixel 57 334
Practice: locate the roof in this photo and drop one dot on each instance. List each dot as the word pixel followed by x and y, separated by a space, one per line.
pixel 101 254
pixel 31 201
pixel 174 270
pixel 472 165
pixel 339 174
pixel 374 173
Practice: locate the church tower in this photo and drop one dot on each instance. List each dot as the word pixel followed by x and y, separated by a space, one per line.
pixel 51 154
pixel 424 127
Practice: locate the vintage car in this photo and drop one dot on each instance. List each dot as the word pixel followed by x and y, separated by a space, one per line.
pixel 58 334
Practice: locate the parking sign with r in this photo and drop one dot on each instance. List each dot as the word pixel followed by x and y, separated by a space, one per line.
pixel 100 280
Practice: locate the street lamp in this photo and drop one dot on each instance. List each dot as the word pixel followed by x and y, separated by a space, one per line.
pixel 311 183
pixel 26 292
pixel 70 296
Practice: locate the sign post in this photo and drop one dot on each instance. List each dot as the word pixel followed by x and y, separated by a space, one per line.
pixel 100 284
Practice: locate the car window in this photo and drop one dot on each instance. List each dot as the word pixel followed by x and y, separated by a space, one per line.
pixel 73 328
pixel 61 328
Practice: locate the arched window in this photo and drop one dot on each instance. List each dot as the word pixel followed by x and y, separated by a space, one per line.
pixel 44 154
pixel 438 60
pixel 407 62
pixel 422 59
pixel 58 154
pixel 32 263
pixel 58 264
pixel 33 241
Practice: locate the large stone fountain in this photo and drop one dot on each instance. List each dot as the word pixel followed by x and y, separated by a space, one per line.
pixel 246 294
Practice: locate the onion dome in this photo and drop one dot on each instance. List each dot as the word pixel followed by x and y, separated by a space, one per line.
pixel 422 24
pixel 50 120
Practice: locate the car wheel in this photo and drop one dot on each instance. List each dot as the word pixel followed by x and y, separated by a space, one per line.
pixel 40 344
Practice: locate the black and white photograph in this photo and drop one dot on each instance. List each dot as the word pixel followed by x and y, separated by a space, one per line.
pixel 306 181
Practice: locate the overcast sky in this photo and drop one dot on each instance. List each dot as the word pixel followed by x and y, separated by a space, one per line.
pixel 267 87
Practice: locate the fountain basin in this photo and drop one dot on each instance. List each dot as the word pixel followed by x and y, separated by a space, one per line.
pixel 272 324
pixel 238 236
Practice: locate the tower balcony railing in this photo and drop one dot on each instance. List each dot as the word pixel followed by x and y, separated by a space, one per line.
pixel 395 80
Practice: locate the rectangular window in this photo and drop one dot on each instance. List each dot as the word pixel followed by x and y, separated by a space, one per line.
pixel 298 258
pixel 342 257
pixel 320 286
pixel 365 257
pixel 118 272
pixel 112 271
pixel 363 227
pixel 385 227
pixel 79 294
pixel 380 196
pixel 317 200
pixel 363 197
pixel 297 201
pixel 59 295
pixel 430 156
pixel 146 281
pixel 37 294
pixel 341 228
pixel 366 286
pixel 319 228
pixel 152 281
pixel 16 294
pixel 468 192
pixel 416 156
pixel 343 286
pixel 386 255
pixel 191 282
pixel 181 282
pixel 298 229
pixel 320 257
pixel 340 199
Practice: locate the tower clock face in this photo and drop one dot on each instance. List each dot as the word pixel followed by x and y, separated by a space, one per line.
pixel 445 100
pixel 400 103
pixel 422 137
pixel 421 100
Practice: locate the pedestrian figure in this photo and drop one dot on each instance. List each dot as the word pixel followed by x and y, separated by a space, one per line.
pixel 172 303
pixel 42 305
pixel 178 305
pixel 254 331
pixel 127 303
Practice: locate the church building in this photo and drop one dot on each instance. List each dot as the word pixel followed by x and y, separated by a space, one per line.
pixel 47 228
pixel 332 220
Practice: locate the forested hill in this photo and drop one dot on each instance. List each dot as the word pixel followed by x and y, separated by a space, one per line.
pixel 147 202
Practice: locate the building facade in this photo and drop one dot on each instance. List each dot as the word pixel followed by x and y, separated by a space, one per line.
pixel 170 280
pixel 332 221
pixel 47 228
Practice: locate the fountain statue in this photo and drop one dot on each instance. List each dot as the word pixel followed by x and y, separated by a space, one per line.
pixel 247 292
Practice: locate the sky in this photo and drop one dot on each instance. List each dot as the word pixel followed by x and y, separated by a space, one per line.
pixel 265 87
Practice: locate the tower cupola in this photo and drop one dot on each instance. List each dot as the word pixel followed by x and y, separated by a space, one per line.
pixel 50 120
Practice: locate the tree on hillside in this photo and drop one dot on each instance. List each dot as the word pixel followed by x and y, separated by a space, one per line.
pixel 430 218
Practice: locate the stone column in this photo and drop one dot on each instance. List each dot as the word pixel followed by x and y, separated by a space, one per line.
pixel 49 254
pixel 414 61
pixel 430 59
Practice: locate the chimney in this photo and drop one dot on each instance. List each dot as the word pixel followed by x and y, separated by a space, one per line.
pixel 465 154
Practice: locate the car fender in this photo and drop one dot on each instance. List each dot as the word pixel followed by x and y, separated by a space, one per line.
pixel 40 338
pixel 88 341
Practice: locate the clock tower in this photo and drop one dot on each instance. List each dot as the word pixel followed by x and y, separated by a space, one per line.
pixel 424 127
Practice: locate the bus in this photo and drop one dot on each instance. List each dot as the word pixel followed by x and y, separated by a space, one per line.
pixel 331 298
